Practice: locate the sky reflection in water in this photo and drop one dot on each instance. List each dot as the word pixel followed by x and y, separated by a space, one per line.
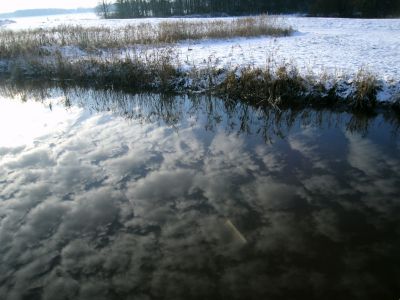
pixel 109 196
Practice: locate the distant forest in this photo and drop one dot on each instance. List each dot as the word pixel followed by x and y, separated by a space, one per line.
pixel 167 8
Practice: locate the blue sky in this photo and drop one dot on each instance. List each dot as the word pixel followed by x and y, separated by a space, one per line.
pixel 10 6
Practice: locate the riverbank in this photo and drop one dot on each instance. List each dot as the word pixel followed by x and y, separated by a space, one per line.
pixel 159 71
pixel 332 60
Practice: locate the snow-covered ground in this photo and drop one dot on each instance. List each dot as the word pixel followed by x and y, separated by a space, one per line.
pixel 335 46
pixel 319 44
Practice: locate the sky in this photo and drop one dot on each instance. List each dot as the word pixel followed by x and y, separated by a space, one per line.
pixel 13 5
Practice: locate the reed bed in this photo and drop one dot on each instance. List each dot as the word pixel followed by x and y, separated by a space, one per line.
pixel 41 41
pixel 279 87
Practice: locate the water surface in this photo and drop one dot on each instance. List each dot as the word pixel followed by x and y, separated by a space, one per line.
pixel 105 195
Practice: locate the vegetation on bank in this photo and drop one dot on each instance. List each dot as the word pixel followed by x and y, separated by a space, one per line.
pixel 41 41
pixel 167 8
pixel 281 86
pixel 112 57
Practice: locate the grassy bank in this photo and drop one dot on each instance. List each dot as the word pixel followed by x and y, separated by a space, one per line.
pixel 111 57
pixel 286 86
pixel 40 42
pixel 276 86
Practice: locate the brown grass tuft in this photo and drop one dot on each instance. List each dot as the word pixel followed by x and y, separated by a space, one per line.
pixel 264 86
pixel 366 90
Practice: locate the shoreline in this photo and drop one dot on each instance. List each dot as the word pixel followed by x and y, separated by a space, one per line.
pixel 243 63
pixel 283 88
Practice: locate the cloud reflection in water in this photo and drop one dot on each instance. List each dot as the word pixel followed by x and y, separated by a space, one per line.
pixel 100 207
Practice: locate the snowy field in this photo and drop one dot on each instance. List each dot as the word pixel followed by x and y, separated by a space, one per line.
pixel 335 46
pixel 319 43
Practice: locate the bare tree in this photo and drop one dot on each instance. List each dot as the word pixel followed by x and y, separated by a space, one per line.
pixel 103 9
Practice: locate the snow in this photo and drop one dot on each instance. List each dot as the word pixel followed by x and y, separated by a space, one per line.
pixel 319 44
pixel 339 47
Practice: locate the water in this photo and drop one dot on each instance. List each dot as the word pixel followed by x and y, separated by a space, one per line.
pixel 109 196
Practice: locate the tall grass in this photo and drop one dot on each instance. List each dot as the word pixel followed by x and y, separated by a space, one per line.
pixel 265 86
pixel 280 87
pixel 240 27
pixel 148 71
pixel 366 89
pixel 40 41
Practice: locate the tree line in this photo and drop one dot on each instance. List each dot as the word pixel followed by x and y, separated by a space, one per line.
pixel 168 8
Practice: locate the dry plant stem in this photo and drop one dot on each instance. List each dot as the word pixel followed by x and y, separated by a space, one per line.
pixel 366 90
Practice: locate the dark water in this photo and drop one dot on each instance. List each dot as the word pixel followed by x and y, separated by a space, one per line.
pixel 109 196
